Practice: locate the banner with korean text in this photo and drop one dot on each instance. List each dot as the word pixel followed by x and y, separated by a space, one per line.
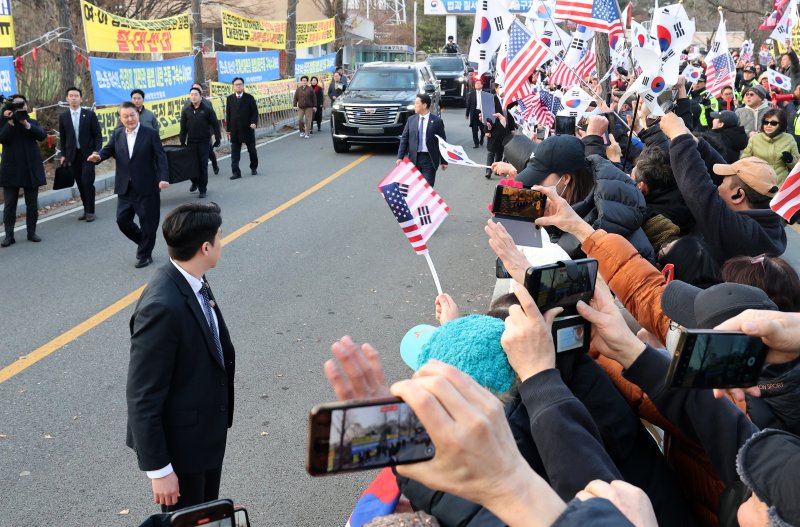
pixel 6 25
pixel 112 33
pixel 325 63
pixel 315 33
pixel 114 79
pixel 252 67
pixel 167 111
pixel 274 96
pixel 8 76
pixel 242 31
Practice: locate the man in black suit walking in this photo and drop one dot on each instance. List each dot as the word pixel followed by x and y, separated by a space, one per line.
pixel 474 110
pixel 180 376
pixel 419 142
pixel 80 136
pixel 241 118
pixel 141 174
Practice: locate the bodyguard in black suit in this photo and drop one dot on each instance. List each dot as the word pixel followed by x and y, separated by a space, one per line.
pixel 80 136
pixel 241 119
pixel 141 174
pixel 474 114
pixel 180 377
pixel 419 142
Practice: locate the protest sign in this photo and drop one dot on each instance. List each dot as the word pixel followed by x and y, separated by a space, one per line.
pixel 242 31
pixel 114 79
pixel 326 63
pixel 112 33
pixel 168 113
pixel 253 67
pixel 8 76
pixel 315 33
pixel 6 25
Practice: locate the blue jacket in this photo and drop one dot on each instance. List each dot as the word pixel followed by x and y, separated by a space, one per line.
pixel 144 169
pixel 409 139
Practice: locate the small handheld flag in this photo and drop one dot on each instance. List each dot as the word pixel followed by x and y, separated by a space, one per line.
pixel 456 155
pixel 786 203
pixel 779 80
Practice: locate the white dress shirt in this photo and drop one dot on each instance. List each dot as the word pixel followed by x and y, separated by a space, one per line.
pixel 76 124
pixel 131 137
pixel 425 120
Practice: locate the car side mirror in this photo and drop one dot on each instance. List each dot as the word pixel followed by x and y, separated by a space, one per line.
pixel 430 88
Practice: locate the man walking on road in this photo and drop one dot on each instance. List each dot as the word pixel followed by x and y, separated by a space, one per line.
pixel 180 376
pixel 197 122
pixel 419 142
pixel 79 136
pixel 474 111
pixel 140 175
pixel 241 117
pixel 305 100
pixel 206 102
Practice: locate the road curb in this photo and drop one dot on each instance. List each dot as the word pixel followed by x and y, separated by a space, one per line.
pixel 52 197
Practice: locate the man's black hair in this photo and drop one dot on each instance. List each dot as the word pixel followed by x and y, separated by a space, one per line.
pixel 18 96
pixel 137 90
pixel 73 88
pixel 450 37
pixel 127 104
pixel 187 227
pixel 425 99
pixel 304 77
pixel 237 79
pixel 198 86
pixel 198 90
pixel 754 199
pixel 653 168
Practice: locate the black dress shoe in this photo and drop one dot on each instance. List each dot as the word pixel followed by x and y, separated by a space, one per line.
pixel 82 217
pixel 90 218
pixel 475 146
pixel 237 175
pixel 254 172
pixel 34 238
pixel 201 195
pixel 488 175
pixel 7 242
pixel 193 187
pixel 216 171
pixel 143 262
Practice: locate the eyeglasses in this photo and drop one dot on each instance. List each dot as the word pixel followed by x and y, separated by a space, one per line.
pixel 770 123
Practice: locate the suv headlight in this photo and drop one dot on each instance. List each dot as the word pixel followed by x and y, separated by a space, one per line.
pixel 336 106
pixel 461 79
pixel 410 107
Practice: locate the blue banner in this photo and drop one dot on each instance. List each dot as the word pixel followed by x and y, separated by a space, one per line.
pixel 252 67
pixel 113 80
pixel 8 76
pixel 325 63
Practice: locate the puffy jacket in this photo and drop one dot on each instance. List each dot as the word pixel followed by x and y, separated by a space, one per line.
pixel 669 203
pixel 750 119
pixel 771 149
pixel 735 140
pixel 654 136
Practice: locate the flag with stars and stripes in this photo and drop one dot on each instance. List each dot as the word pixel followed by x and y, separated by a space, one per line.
pixel 416 206
pixel 720 69
pixel 525 55
pixel 600 15
pixel 545 108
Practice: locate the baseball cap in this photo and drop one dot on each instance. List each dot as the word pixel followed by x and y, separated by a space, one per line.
pixel 758 90
pixel 749 69
pixel 754 172
pixel 696 308
pixel 558 153
pixel 728 118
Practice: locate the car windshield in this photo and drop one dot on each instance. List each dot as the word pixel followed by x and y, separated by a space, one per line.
pixel 384 80
pixel 446 63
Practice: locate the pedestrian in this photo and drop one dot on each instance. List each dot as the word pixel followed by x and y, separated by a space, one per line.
pixel 773 144
pixel 146 117
pixel 342 77
pixel 197 122
pixel 180 376
pixel 79 136
pixel 241 116
pixel 320 95
pixel 305 101
pixel 419 142
pixel 211 155
pixel 451 47
pixel 21 167
pixel 336 87
pixel 473 114
pixel 140 175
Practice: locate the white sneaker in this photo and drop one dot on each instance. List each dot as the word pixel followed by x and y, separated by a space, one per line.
pixel 302 135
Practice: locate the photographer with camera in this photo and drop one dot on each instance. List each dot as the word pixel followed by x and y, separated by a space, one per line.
pixel 21 166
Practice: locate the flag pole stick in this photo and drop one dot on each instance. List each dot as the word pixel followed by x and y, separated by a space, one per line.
pixel 630 134
pixel 433 272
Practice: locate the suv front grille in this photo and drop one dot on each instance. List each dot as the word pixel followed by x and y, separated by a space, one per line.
pixel 371 115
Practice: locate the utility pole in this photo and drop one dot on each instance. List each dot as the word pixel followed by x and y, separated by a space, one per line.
pixel 291 37
pixel 603 54
pixel 197 34
pixel 67 62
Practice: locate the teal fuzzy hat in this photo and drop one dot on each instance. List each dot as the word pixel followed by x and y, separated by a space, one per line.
pixel 471 344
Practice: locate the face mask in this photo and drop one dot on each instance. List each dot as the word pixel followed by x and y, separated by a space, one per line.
pixel 554 188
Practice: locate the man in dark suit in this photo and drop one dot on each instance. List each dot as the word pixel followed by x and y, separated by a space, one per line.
pixel 198 122
pixel 180 376
pixel 80 136
pixel 419 142
pixel 141 174
pixel 241 118
pixel 474 111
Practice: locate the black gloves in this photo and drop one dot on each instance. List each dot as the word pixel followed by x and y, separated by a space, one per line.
pixel 787 157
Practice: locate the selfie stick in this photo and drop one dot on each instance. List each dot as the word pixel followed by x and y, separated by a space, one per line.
pixel 433 272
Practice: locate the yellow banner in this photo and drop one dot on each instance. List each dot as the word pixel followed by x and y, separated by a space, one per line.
pixel 241 31
pixel 6 25
pixel 315 33
pixel 108 32
pixel 167 111
pixel 273 96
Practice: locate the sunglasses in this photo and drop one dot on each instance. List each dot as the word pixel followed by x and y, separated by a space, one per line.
pixel 770 123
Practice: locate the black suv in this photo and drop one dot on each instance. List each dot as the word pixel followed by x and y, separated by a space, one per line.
pixel 454 76
pixel 378 101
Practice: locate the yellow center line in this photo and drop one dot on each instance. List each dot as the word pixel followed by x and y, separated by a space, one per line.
pixel 92 322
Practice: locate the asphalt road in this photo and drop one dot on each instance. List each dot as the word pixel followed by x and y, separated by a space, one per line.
pixel 333 263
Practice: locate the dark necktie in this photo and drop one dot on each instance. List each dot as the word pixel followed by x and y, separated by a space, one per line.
pixel 205 292
pixel 420 142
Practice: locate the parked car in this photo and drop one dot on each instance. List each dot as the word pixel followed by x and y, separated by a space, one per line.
pixel 454 76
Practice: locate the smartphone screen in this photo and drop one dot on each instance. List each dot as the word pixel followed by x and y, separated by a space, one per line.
pixel 711 359
pixel 551 285
pixel 520 203
pixel 565 125
pixel 362 436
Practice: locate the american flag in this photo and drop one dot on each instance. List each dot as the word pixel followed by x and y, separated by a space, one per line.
pixel 525 54
pixel 545 108
pixel 600 15
pixel 563 76
pixel 417 207
pixel 720 69
pixel 786 202
pixel 528 100
pixel 587 66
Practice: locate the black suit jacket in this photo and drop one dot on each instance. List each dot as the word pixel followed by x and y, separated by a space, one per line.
pixel 91 138
pixel 180 399
pixel 472 110
pixel 239 115
pixel 409 139
pixel 144 169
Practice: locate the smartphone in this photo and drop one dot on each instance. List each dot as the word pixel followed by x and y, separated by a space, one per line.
pixel 218 513
pixel 716 359
pixel 518 203
pixel 562 284
pixel 571 334
pixel 565 125
pixel 500 269
pixel 363 435
pixel 240 517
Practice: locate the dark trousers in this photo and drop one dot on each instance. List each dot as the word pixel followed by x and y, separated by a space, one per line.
pixel 196 488
pixel 236 153
pixel 213 157
pixel 201 180
pixel 148 209
pixel 84 178
pixel 477 131
pixel 425 167
pixel 491 157
pixel 10 198
pixel 318 118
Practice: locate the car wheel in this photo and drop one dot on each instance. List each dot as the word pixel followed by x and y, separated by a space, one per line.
pixel 340 147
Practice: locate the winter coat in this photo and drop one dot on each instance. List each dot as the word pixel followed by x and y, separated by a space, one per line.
pixel 735 140
pixel 240 113
pixel 305 97
pixel 654 136
pixel 21 165
pixel 319 93
pixel 750 119
pixel 771 149
pixel 669 203
pixel 496 133
pixel 779 404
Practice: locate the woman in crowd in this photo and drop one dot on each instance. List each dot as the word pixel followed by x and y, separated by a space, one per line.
pixel 320 95
pixel 773 144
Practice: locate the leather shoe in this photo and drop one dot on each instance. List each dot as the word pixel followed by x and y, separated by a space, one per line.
pixel 488 175
pixel 201 195
pixel 90 218
pixel 143 262
pixel 254 172
pixel 7 242
pixel 34 238
pixel 237 175
pixel 193 187
pixel 216 171
pixel 475 146
pixel 82 217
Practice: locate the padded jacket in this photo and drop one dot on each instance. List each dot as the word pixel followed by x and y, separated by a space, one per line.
pixel 771 150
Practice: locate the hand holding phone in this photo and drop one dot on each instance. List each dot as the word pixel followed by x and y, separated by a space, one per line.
pixel 565 125
pixel 518 203
pixel 562 284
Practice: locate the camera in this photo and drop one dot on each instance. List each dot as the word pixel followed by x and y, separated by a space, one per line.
pixel 17 109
